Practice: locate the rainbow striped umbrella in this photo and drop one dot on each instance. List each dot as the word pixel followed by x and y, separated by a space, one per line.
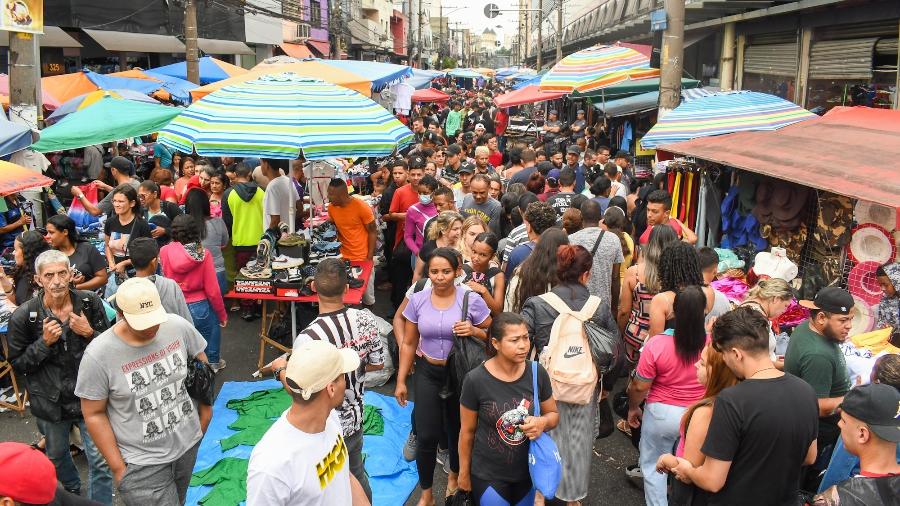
pixel 724 113
pixel 280 115
pixel 596 68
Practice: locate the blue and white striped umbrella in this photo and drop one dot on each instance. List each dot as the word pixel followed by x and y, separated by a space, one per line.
pixel 280 115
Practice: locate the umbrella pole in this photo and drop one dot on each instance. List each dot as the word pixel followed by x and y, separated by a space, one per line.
pixel 603 99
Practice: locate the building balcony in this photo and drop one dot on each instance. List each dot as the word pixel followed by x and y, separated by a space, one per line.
pixel 370 5
pixel 371 33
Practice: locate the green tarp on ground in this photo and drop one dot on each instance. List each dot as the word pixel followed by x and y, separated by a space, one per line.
pixel 106 121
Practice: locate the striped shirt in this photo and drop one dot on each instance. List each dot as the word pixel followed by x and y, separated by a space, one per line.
pixel 349 328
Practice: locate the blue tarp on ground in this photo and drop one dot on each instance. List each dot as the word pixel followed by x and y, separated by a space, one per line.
pixel 391 477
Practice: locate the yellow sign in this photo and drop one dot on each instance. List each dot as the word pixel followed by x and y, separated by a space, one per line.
pixel 639 150
pixel 22 16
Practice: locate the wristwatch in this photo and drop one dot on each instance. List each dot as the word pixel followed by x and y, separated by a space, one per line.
pixel 277 372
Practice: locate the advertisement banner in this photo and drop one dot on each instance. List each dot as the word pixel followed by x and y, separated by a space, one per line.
pixel 22 16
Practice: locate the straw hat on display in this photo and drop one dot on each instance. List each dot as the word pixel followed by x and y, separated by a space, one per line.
pixel 872 243
pixel 863 283
pixel 863 317
pixel 775 264
pixel 870 212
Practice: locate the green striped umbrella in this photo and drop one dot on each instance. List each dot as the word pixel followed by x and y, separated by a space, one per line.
pixel 280 115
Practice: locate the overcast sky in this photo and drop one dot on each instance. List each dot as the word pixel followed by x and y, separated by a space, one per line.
pixel 472 16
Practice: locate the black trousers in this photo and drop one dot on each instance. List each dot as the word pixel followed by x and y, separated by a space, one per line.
pixel 434 417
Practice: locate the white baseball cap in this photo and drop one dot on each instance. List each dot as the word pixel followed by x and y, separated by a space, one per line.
pixel 316 363
pixel 138 300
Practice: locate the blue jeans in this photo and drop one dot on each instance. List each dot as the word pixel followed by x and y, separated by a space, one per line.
pixel 223 282
pixel 99 476
pixel 207 323
pixel 659 430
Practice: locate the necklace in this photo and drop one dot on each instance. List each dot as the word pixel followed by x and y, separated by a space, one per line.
pixel 759 371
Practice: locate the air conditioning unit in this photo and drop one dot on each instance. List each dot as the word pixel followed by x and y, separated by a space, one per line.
pixel 302 31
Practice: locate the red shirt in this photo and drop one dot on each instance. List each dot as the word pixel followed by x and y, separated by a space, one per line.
pixel 495 158
pixel 645 237
pixel 404 197
pixel 501 120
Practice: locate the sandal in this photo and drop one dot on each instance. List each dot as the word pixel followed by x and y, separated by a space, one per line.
pixel 623 427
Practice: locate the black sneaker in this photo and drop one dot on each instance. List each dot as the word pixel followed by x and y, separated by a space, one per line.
pixel 248 315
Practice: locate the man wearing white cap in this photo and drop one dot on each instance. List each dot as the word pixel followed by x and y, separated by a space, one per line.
pixel 302 459
pixel 135 403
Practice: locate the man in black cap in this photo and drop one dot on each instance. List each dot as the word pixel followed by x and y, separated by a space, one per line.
pixel 814 356
pixel 462 189
pixel 573 155
pixel 870 429
pixel 122 171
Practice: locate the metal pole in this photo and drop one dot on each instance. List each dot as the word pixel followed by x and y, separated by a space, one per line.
pixel 409 38
pixel 419 38
pixel 540 22
pixel 559 30
pixel 190 41
pixel 726 77
pixel 440 64
pixel 672 60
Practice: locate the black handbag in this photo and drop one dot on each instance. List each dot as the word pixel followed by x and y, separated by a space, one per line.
pixel 200 382
pixel 466 354
pixel 460 498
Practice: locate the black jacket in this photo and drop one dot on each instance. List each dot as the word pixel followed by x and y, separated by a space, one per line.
pixel 51 372
pixel 539 315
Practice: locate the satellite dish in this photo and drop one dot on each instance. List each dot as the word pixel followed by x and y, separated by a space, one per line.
pixel 491 11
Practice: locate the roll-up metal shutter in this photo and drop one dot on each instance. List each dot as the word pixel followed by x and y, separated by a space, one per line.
pixel 771 59
pixel 886 46
pixel 847 59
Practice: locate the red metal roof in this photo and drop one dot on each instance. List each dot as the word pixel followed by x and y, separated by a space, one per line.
pixel 527 95
pixel 430 95
pixel 852 151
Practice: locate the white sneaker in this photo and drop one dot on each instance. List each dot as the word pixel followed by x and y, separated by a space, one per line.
pixel 286 262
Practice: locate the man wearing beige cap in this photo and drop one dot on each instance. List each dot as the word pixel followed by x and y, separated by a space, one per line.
pixel 302 459
pixel 132 388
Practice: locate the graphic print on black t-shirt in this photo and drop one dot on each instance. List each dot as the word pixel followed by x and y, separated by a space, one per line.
pixel 509 422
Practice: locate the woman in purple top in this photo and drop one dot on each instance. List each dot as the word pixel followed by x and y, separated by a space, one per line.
pixel 433 316
pixel 418 214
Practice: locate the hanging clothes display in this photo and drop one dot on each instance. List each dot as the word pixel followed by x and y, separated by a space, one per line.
pixel 82 218
pixel 402 98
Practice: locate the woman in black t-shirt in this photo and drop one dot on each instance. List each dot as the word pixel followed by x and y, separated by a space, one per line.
pixel 89 266
pixel 496 407
pixel 121 227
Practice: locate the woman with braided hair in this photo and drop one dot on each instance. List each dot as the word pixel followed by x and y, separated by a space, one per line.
pixel 679 267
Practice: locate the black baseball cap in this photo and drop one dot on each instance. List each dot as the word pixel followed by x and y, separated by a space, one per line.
pixel 432 138
pixel 467 167
pixel 832 299
pixel 878 405
pixel 575 150
pixel 121 164
pixel 453 150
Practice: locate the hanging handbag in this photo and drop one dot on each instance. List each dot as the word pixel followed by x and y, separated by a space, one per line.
pixel 544 462
pixel 200 382
pixel 467 352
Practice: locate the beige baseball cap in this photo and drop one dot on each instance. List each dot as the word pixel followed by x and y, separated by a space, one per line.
pixel 138 300
pixel 316 363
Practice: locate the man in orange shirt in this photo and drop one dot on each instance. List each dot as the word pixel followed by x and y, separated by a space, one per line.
pixel 355 225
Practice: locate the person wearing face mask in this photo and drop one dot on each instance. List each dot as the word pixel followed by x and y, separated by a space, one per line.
pixel 419 213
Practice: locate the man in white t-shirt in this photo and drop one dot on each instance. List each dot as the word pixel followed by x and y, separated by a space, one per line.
pixel 281 196
pixel 302 459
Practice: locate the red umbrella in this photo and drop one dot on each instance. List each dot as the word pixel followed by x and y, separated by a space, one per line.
pixel 430 95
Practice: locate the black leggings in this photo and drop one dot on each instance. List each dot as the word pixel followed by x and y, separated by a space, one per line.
pixel 502 493
pixel 434 417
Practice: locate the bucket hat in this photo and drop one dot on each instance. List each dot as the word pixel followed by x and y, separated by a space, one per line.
pixel 872 243
pixel 870 212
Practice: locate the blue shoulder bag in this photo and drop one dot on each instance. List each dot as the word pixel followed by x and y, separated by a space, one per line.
pixel 544 462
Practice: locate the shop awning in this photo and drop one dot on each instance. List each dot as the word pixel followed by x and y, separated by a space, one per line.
pixel 298 51
pixel 852 151
pixel 526 95
pixel 136 42
pixel 53 36
pixel 430 95
pixel 320 47
pixel 216 46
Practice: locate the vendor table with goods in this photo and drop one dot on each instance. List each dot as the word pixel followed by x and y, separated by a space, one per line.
pixel 353 296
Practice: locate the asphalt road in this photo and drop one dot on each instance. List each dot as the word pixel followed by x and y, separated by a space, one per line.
pixel 240 348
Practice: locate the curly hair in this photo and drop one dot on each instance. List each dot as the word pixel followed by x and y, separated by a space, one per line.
pixel 679 267
pixel 538 271
pixel 572 220
pixel 33 244
pixel 185 230
pixel 541 216
pixel 443 222
pixel 660 237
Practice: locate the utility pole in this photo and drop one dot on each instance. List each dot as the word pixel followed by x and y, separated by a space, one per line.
pixel 190 41
pixel 440 64
pixel 409 39
pixel 419 38
pixel 559 30
pixel 726 76
pixel 672 58
pixel 540 45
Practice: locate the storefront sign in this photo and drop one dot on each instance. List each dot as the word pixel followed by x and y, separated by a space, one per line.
pixel 22 16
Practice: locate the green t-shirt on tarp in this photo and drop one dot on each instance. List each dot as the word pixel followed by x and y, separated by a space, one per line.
pixel 818 361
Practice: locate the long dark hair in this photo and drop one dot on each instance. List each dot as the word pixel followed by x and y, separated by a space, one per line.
pixel 679 266
pixel 33 244
pixel 615 221
pixel 539 269
pixel 690 331
pixel 196 205
pixel 63 222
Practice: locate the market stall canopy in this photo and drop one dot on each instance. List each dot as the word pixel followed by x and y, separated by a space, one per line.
pixel 643 102
pixel 485 72
pixel 422 78
pixel 381 74
pixel 178 90
pixel 630 87
pixel 68 86
pixel 311 69
pixel 596 68
pixel 81 101
pixel 50 102
pixel 14 136
pixel 534 79
pixel 526 95
pixel 298 51
pixel 53 36
pixel 105 121
pixel 282 115
pixel 724 113
pixel 814 153
pixel 464 73
pixel 430 95
pixel 211 70
pixel 15 178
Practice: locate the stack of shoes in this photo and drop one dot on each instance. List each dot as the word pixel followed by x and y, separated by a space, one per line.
pixel 261 267
pixel 292 275
pixel 294 245
pixel 286 262
pixel 353 273
pixel 309 274
pixel 322 250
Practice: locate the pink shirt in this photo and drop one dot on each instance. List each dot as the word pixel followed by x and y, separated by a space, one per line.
pixel 673 381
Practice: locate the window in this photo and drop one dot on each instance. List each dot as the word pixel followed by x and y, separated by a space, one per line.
pixel 315 14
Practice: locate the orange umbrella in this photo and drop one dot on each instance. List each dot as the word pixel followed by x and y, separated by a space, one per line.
pixel 311 69
pixel 15 178
pixel 67 86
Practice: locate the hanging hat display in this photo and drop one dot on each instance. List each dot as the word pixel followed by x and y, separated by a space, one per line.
pixel 870 212
pixel 863 283
pixel 863 317
pixel 775 264
pixel 872 243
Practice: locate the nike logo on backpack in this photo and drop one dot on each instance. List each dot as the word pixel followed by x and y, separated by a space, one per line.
pixel 573 351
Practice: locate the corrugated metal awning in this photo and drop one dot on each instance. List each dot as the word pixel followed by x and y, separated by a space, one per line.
pixel 53 36
pixel 216 46
pixel 842 59
pixel 772 59
pixel 813 153
pixel 136 42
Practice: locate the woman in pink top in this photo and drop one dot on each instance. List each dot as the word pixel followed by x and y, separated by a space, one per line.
pixel 419 213
pixel 666 378
pixel 186 261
